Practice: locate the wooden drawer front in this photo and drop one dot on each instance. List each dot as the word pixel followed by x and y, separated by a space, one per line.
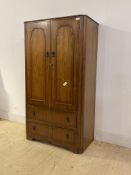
pixel 37 113
pixel 39 130
pixel 57 118
pixel 63 135
pixel 64 119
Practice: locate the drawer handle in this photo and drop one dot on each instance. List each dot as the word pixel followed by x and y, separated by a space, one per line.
pixel 68 119
pixel 34 128
pixel 67 136
pixel 34 113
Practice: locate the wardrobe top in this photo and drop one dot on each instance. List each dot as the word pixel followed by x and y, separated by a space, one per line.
pixel 73 16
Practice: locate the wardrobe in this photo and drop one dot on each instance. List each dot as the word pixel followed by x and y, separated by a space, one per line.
pixel 61 56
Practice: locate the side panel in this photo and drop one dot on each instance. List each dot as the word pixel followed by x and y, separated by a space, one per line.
pixel 37 63
pixel 91 39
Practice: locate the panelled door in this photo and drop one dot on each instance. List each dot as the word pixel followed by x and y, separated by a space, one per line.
pixel 65 54
pixel 37 48
pixel 52 63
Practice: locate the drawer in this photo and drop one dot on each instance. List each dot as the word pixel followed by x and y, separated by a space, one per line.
pixel 39 130
pixel 54 134
pixel 63 135
pixel 64 119
pixel 37 113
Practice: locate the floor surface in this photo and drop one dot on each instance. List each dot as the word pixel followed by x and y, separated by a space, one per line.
pixel 19 156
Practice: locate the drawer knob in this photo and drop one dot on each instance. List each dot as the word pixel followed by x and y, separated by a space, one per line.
pixel 34 128
pixel 34 113
pixel 67 136
pixel 67 119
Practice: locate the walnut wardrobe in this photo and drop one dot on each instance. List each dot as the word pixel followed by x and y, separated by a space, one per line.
pixel 61 56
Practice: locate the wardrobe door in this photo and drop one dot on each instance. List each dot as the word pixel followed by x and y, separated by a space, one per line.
pixel 37 62
pixel 65 54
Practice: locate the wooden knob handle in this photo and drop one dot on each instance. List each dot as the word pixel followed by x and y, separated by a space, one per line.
pixel 67 119
pixel 34 128
pixel 53 54
pixel 67 136
pixel 34 113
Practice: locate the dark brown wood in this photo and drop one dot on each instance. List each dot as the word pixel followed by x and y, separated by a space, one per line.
pixel 72 16
pixel 39 130
pixel 64 42
pixel 89 82
pixel 37 46
pixel 60 119
pixel 60 80
pixel 63 135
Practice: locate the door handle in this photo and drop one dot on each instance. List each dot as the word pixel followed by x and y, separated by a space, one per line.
pixel 47 54
pixel 53 54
